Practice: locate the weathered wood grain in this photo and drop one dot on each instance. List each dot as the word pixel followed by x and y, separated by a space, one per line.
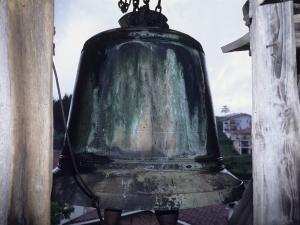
pixel 26 31
pixel 241 44
pixel 297 34
pixel 5 118
pixel 275 131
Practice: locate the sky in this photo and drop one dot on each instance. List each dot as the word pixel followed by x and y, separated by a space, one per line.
pixel 213 23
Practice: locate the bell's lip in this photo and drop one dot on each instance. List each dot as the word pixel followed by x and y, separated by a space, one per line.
pixel 174 164
pixel 143 189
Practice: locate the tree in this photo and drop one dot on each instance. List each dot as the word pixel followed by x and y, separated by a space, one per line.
pixel 60 211
pixel 225 109
pixel 58 123
pixel 58 140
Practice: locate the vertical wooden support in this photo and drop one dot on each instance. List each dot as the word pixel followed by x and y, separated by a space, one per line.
pixel 26 34
pixel 276 123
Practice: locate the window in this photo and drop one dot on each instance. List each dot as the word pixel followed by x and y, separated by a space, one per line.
pixel 244 151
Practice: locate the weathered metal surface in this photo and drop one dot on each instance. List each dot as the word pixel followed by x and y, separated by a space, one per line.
pixel 147 188
pixel 142 125
pixel 141 98
pixel 169 217
pixel 144 17
pixel 125 5
pixel 112 217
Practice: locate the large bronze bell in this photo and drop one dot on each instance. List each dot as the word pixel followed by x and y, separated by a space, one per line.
pixel 142 125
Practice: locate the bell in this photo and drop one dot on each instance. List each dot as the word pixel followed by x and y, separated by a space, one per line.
pixel 142 125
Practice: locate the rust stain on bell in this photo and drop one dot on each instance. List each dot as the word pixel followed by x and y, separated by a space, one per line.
pixel 142 125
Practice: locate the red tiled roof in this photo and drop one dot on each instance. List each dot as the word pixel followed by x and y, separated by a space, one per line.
pixel 85 217
pixel 212 215
pixel 231 116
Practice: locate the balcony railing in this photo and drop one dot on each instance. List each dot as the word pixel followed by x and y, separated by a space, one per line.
pixel 232 122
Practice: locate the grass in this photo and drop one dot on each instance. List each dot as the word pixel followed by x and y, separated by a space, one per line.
pixel 226 145
pixel 240 166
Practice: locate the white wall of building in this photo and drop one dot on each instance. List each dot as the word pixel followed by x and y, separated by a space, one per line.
pixel 236 122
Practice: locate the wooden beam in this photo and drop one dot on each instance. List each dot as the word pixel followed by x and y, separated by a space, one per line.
pixel 241 44
pixel 26 31
pixel 275 116
pixel 264 2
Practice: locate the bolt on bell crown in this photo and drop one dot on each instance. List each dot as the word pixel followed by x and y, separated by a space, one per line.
pixel 141 122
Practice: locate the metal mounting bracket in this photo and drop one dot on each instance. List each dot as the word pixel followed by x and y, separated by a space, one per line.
pixel 265 2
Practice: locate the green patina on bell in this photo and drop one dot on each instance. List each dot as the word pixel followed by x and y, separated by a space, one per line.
pixel 141 123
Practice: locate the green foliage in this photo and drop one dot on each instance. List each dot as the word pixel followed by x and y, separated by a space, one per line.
pixel 57 114
pixel 58 123
pixel 240 166
pixel 60 211
pixel 226 145
pixel 225 109
pixel 58 139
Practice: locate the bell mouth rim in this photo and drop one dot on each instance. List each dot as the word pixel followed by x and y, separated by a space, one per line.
pixel 164 164
pixel 159 190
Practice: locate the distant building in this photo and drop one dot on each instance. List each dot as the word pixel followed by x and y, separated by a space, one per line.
pixel 236 121
pixel 242 141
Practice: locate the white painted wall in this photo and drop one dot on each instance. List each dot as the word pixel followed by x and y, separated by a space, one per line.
pixel 243 121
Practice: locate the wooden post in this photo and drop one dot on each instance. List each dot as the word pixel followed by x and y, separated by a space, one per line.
pixel 26 34
pixel 276 117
